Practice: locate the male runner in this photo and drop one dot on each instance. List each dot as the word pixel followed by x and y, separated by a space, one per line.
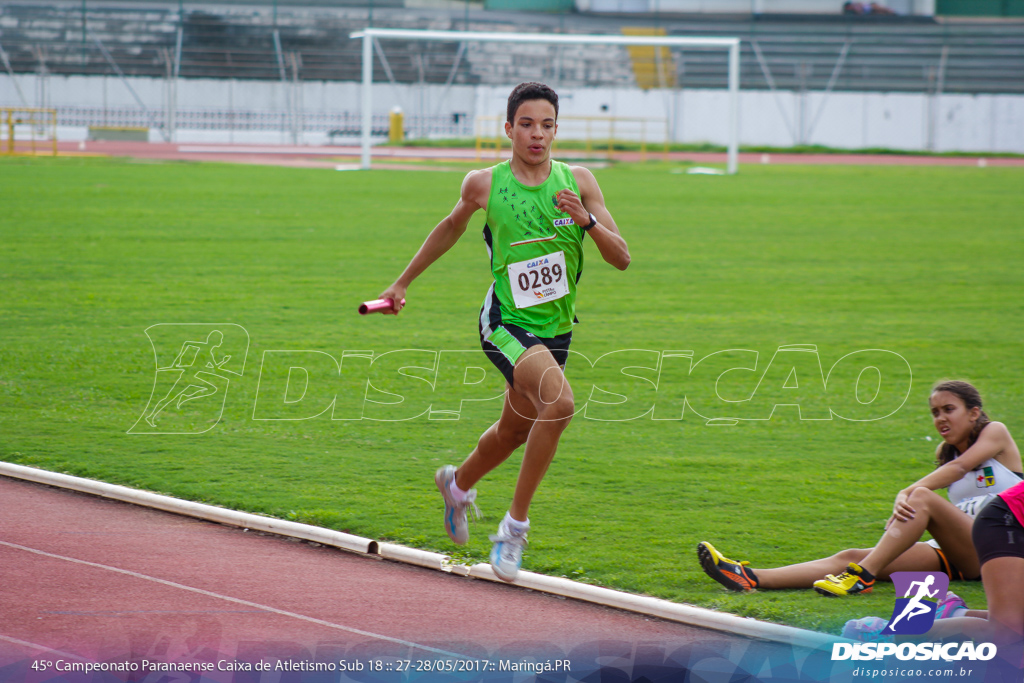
pixel 538 212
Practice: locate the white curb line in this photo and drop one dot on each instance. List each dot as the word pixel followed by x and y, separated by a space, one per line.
pixel 663 609
pixel 184 507
pixel 423 558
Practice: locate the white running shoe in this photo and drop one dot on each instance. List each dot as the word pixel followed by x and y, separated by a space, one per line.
pixel 507 553
pixel 455 522
pixel 867 630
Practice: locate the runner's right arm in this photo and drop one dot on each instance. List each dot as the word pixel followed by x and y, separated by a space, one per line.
pixel 993 441
pixel 475 189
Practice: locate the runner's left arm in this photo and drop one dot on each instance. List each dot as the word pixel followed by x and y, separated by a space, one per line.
pixel 605 234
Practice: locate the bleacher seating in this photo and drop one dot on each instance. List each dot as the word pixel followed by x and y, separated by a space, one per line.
pixel 980 57
pixel 227 40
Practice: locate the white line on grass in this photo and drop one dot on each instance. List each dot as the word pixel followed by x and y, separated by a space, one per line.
pixel 239 601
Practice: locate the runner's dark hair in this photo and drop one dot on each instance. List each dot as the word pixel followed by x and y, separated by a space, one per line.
pixel 971 397
pixel 529 91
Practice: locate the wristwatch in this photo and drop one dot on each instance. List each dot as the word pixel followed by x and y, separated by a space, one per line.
pixel 592 223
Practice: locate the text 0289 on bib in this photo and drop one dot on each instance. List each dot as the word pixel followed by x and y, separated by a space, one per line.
pixel 538 280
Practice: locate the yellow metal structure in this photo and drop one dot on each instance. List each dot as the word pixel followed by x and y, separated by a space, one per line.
pixel 597 132
pixel 652 66
pixel 396 126
pixel 490 135
pixel 26 130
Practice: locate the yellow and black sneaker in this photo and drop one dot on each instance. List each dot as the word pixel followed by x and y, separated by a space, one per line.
pixel 854 580
pixel 732 574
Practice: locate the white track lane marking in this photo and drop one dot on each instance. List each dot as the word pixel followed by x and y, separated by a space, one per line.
pixel 37 646
pixel 238 601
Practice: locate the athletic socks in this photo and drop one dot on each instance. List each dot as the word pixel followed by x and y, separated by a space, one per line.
pixel 457 494
pixel 753 577
pixel 514 526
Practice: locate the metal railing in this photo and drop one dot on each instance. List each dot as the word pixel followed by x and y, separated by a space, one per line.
pixel 335 125
pixel 603 135
pixel 28 130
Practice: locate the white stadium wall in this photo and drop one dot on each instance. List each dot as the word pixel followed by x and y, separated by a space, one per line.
pixel 918 7
pixel 847 120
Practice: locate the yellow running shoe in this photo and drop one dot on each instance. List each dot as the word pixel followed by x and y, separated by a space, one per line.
pixel 855 579
pixel 730 573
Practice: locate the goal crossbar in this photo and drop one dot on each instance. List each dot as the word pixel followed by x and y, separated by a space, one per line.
pixel 731 44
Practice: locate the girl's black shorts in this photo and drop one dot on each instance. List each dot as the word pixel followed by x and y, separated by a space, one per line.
pixel 997 532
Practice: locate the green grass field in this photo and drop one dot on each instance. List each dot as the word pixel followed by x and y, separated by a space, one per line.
pixel 922 262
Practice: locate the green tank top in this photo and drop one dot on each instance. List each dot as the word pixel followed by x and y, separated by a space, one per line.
pixel 536 254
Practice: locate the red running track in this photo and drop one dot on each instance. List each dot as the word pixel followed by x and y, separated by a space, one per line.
pixel 86 579
pixel 329 157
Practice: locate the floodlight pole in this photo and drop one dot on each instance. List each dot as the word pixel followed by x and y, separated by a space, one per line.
pixel 732 156
pixel 733 44
pixel 367 98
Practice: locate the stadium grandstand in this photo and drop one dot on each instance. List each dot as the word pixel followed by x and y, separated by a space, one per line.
pixel 232 40
pixel 291 42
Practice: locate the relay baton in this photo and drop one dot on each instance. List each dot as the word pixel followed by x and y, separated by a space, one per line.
pixel 377 306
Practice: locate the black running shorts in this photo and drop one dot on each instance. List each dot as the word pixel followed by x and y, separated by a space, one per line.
pixel 950 569
pixel 997 533
pixel 506 343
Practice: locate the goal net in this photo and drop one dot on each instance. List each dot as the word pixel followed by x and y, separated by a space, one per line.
pixel 626 88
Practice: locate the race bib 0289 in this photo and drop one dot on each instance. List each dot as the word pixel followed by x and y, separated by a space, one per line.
pixel 538 280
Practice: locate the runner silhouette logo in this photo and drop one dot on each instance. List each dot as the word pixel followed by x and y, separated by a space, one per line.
pixel 194 365
pixel 914 613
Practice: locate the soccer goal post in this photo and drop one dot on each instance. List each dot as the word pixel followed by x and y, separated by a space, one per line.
pixel 370 35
